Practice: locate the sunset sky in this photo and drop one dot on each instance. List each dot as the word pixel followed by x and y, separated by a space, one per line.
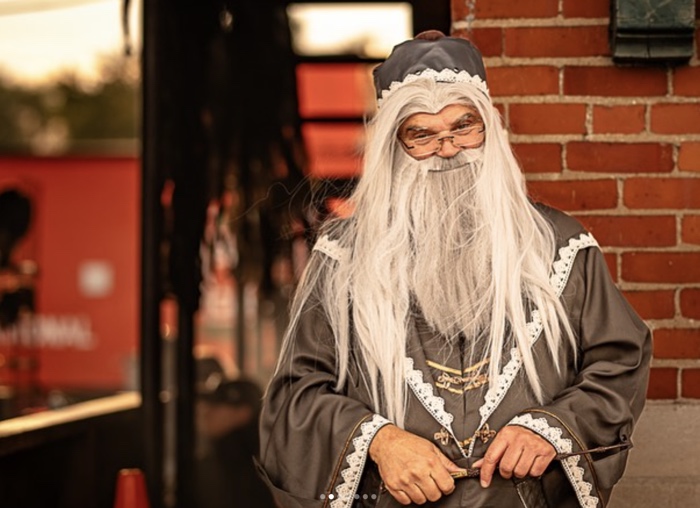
pixel 40 38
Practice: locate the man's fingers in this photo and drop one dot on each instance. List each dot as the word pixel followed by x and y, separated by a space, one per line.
pixel 540 465
pixel 524 465
pixel 443 481
pixel 419 488
pixel 489 463
pixel 415 494
pixel 407 493
pixel 430 489
pixel 515 451
pixel 442 478
pixel 400 496
pixel 509 461
pixel 413 469
pixel 448 464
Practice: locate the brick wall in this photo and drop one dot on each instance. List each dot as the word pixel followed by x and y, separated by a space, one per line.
pixel 616 146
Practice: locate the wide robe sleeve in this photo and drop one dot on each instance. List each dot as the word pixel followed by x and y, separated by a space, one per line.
pixel 314 440
pixel 606 390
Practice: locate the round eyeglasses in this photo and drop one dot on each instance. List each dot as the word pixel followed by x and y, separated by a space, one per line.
pixel 423 143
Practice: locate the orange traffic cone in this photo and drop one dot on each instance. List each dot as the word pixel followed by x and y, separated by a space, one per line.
pixel 131 490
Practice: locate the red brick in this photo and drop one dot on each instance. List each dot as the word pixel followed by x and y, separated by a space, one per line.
pixel 641 231
pixel 690 303
pixel 576 194
pixel 507 9
pixel 661 267
pixel 587 9
pixel 538 157
pixel 526 80
pixel 488 40
pixel 690 229
pixel 554 42
pixel 675 118
pixel 663 383
pixel 677 343
pixel 615 81
pixel 548 118
pixel 676 193
pixel 690 383
pixel 618 119
pixel 458 10
pixel 619 157
pixel 689 156
pixel 686 81
pixel 652 304
pixel 501 110
pixel 611 261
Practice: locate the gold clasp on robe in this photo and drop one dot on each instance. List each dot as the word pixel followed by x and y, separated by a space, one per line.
pixel 443 436
pixel 485 433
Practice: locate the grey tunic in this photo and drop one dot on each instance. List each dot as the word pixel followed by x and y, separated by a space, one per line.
pixel 315 441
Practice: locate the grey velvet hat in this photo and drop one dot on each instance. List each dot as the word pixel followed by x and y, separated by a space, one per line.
pixel 431 54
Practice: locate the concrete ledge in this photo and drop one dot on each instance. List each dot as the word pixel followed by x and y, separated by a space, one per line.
pixel 655 492
pixel 664 465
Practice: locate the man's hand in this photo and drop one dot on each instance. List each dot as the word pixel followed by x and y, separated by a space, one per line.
pixel 515 451
pixel 414 470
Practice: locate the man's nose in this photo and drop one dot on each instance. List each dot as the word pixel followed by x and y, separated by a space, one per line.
pixel 447 148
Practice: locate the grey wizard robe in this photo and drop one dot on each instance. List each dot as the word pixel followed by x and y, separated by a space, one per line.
pixel 315 441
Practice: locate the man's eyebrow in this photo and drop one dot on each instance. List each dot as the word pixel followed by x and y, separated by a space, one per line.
pixel 467 116
pixel 415 127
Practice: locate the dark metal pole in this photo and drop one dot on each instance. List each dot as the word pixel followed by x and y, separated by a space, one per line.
pixel 151 284
pixel 185 411
pixel 189 153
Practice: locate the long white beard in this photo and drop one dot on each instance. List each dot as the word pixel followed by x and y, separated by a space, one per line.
pixel 458 239
pixel 449 257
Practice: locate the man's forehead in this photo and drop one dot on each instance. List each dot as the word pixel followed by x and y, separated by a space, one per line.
pixel 447 115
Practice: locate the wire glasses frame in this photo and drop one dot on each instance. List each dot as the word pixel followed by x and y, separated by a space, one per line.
pixel 423 145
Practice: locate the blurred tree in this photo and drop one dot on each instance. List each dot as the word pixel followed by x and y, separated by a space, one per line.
pixel 72 114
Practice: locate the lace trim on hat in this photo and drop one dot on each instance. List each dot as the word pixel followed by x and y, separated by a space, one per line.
pixel 443 76
pixel 331 248
pixel 434 404
pixel 560 276
pixel 346 491
pixel 563 445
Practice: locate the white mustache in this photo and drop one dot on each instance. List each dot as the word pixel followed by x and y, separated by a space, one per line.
pixel 461 160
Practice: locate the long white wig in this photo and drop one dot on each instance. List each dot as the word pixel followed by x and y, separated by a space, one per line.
pixel 478 273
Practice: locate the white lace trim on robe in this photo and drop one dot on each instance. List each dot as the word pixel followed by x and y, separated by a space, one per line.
pixel 346 491
pixel 331 248
pixel 434 404
pixel 563 445
pixel 560 276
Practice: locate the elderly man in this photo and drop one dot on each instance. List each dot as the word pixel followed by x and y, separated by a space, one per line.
pixel 451 342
